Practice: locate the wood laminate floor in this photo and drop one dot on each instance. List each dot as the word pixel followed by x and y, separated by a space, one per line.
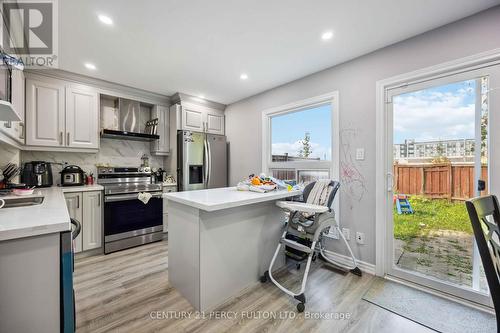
pixel 123 291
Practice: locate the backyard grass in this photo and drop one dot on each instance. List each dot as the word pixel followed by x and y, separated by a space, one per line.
pixel 431 214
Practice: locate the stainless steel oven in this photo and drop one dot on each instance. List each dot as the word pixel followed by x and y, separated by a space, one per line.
pixel 128 221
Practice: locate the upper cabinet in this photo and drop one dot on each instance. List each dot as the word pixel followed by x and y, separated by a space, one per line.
pixel 45 112
pixel 215 122
pixel 60 114
pixel 82 117
pixel 193 119
pixel 15 129
pixel 162 145
pixel 201 119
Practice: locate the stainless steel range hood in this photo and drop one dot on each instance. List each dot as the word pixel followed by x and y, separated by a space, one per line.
pixel 129 122
pixel 113 134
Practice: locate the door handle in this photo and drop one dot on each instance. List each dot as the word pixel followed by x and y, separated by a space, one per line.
pixel 21 135
pixel 205 146
pixel 481 185
pixel 209 161
pixel 390 181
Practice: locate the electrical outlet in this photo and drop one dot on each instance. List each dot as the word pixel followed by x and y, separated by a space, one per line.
pixel 347 233
pixel 360 238
pixel 360 154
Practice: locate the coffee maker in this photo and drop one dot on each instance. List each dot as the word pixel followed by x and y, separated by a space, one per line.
pixel 37 173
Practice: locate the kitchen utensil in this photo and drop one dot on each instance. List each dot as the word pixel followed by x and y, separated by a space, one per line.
pixel 37 173
pixel 72 175
pixel 10 171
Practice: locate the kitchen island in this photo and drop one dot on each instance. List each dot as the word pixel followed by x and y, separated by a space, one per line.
pixel 221 241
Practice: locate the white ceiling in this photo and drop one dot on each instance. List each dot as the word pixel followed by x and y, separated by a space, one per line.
pixel 201 47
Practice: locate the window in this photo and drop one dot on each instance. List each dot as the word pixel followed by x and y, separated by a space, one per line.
pixel 304 135
pixel 300 140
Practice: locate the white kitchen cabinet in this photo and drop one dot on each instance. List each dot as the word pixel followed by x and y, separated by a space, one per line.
pixel 61 114
pixel 45 112
pixel 86 208
pixel 201 119
pixel 15 129
pixel 82 117
pixel 162 145
pixel 167 189
pixel 74 202
pixel 92 220
pixel 214 122
pixel 192 119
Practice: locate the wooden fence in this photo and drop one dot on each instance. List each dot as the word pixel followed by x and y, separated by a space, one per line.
pixel 453 181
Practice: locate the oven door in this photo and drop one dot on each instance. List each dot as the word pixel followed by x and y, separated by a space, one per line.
pixel 125 215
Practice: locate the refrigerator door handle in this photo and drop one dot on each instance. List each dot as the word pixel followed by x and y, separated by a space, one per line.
pixel 209 162
pixel 205 162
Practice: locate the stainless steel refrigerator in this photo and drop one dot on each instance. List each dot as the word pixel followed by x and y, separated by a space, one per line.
pixel 201 161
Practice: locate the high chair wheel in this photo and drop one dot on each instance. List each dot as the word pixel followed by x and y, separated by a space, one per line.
pixel 264 278
pixel 301 307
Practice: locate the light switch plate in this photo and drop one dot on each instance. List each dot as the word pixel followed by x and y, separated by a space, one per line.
pixel 360 154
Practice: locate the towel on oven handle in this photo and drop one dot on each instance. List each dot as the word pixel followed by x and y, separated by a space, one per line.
pixel 144 197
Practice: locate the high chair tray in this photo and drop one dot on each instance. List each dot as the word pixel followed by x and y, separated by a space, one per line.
pixel 294 206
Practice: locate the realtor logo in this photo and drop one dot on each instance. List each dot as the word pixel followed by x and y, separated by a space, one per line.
pixel 29 31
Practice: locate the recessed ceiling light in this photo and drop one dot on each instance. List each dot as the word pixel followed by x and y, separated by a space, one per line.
pixel 105 19
pixel 90 66
pixel 243 76
pixel 327 35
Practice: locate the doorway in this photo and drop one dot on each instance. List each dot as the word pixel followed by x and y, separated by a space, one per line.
pixel 437 155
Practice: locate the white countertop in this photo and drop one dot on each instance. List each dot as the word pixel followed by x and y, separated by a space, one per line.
pixel 83 188
pixel 226 197
pixel 48 217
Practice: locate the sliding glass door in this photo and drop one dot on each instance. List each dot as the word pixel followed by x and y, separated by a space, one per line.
pixel 439 136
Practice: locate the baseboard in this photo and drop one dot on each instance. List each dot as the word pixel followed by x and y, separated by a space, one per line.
pixel 346 260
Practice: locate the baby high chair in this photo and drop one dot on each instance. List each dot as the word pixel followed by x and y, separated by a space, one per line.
pixel 307 224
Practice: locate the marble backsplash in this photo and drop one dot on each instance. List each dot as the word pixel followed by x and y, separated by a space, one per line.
pixel 8 154
pixel 112 152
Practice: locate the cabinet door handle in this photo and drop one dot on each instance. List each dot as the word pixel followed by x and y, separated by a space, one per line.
pixel 23 128
pixel 61 138
pixel 77 201
pixel 67 139
pixel 99 200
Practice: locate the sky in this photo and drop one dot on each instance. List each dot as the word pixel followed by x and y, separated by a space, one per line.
pixel 440 113
pixel 288 130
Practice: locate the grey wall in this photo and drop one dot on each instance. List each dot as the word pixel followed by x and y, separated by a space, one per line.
pixel 355 80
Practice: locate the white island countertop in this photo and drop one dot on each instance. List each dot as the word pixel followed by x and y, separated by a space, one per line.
pixel 48 217
pixel 225 197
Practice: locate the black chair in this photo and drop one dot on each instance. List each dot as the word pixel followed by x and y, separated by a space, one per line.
pixel 484 213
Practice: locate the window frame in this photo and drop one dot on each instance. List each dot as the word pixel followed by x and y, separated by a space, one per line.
pixel 333 166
